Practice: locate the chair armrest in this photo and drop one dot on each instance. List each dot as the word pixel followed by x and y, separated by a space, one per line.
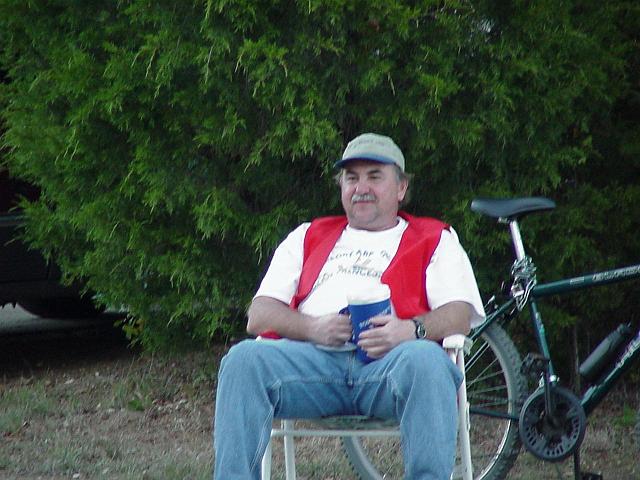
pixel 458 342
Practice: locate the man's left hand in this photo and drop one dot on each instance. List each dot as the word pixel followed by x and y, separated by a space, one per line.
pixel 386 332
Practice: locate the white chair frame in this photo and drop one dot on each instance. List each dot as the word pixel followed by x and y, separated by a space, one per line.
pixel 457 347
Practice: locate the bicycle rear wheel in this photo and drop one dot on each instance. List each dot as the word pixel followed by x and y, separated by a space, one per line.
pixel 495 389
pixel 495 386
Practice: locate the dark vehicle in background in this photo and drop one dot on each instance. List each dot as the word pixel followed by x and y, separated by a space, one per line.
pixel 26 278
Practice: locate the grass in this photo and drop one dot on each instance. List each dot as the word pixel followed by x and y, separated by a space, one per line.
pixel 628 417
pixel 22 406
pixel 136 416
pixel 131 416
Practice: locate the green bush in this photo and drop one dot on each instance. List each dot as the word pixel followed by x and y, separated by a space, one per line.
pixel 177 142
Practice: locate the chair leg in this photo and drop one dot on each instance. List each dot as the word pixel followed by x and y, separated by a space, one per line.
pixel 464 424
pixel 266 461
pixel 289 451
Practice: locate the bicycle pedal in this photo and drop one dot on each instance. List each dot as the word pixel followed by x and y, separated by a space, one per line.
pixel 534 364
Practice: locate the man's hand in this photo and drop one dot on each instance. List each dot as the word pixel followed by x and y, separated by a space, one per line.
pixel 332 330
pixel 386 332
pixel 269 314
pixel 389 331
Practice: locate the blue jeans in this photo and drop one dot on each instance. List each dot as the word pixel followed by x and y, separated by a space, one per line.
pixel 416 384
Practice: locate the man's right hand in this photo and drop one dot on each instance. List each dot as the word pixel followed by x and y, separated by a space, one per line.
pixel 269 314
pixel 331 330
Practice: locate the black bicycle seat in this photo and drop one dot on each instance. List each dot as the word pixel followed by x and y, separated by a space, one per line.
pixel 511 208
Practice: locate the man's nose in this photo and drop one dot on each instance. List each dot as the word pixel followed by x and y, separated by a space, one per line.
pixel 362 187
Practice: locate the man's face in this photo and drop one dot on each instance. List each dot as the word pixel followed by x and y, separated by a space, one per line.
pixel 371 194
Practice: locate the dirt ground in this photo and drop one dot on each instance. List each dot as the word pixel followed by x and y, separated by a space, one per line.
pixel 83 405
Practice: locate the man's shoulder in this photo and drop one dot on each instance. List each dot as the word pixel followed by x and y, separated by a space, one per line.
pixel 324 227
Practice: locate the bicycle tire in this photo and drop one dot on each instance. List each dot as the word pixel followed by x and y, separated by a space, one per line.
pixel 494 382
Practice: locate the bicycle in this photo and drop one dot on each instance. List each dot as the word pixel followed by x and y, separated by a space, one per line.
pixel 550 421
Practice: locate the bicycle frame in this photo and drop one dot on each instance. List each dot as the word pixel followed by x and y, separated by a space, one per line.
pixel 592 396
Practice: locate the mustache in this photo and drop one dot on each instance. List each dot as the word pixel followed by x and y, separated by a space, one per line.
pixel 365 197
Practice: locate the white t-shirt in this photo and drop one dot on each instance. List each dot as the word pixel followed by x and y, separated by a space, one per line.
pixel 358 260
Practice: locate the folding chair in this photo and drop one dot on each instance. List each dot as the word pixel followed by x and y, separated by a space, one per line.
pixel 352 426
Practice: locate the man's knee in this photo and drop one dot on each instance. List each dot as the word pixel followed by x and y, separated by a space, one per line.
pixel 240 358
pixel 422 352
pixel 422 360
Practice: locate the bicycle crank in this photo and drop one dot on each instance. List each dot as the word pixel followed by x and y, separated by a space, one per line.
pixel 552 436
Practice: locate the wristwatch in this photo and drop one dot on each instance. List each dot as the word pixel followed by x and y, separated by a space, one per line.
pixel 421 331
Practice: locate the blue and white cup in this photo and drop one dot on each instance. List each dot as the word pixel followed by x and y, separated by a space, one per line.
pixel 362 307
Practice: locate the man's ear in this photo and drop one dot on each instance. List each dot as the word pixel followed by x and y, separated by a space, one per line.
pixel 402 191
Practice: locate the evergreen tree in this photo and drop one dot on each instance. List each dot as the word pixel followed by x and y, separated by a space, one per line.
pixel 177 142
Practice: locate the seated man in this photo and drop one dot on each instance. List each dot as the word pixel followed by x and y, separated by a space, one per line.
pixel 312 371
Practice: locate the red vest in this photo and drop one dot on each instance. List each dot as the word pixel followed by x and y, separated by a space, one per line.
pixel 405 275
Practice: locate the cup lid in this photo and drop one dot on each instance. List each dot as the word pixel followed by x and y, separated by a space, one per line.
pixel 371 294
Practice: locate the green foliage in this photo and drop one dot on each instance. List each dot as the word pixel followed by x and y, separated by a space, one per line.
pixel 177 142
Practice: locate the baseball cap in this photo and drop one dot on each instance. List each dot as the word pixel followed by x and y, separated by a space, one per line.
pixel 373 147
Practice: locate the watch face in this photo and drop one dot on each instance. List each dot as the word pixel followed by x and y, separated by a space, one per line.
pixel 420 330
